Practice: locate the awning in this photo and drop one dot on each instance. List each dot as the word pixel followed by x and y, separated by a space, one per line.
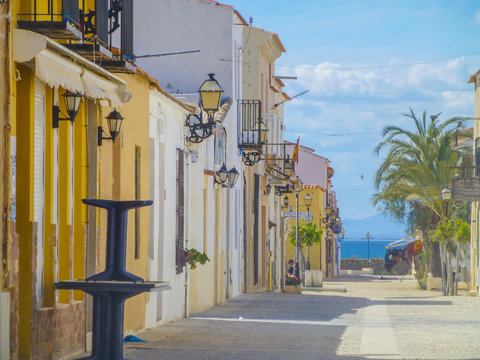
pixel 58 66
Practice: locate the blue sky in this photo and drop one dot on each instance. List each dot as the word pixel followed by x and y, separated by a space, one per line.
pixel 351 56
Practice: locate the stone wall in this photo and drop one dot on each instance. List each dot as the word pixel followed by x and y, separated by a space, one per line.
pixel 377 264
pixel 59 331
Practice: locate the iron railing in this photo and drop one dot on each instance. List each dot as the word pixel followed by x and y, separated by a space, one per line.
pixel 249 124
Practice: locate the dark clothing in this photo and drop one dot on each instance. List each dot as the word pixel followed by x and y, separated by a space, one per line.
pixel 290 269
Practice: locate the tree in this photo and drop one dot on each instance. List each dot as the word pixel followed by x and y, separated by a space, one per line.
pixel 416 168
pixel 308 235
pixel 451 234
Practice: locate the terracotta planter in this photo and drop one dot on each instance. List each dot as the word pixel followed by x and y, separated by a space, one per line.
pixel 293 289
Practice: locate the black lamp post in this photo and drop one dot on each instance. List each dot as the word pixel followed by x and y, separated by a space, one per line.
pixel 114 122
pixel 72 104
pixel 210 97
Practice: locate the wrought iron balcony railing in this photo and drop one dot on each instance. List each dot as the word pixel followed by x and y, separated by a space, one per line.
pixel 49 20
pixel 91 29
pixel 249 125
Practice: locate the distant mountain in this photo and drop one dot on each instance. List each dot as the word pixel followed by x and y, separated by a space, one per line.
pixel 379 226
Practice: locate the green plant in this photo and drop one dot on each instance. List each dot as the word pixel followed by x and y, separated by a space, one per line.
pixel 292 280
pixel 421 271
pixel 196 257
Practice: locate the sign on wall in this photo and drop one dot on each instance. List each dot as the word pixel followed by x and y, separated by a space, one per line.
pixel 466 189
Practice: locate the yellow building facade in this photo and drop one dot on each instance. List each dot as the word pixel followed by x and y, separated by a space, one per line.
pixel 314 214
pixel 53 152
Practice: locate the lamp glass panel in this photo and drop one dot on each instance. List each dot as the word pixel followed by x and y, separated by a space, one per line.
pixel 223 174
pixel 210 100
pixel 72 103
pixel 285 201
pixel 114 122
pixel 211 94
pixel 262 128
pixel 308 200
pixel 232 176
pixel 447 194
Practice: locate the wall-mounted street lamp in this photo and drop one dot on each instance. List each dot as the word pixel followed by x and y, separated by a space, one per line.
pixel 262 128
pixel 267 190
pixel 226 178
pixel 210 96
pixel 72 103
pixel 232 177
pixel 288 167
pixel 114 122
pixel 285 202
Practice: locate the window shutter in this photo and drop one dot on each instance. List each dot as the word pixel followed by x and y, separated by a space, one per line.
pixel 180 197
pixel 38 183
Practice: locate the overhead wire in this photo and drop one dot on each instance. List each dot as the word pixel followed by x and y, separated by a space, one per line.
pixel 330 134
pixel 369 67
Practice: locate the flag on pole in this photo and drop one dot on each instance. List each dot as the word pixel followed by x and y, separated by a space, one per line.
pixel 295 152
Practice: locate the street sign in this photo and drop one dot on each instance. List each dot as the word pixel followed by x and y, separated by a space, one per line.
pixel 466 189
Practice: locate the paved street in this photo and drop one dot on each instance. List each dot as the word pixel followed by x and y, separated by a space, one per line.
pixel 374 319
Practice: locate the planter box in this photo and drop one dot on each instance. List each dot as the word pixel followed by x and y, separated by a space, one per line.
pixel 313 278
pixel 434 283
pixel 293 289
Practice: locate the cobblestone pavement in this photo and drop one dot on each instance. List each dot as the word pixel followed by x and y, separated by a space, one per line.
pixel 377 318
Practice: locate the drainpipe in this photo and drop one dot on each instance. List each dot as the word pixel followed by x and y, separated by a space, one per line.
pixel 9 69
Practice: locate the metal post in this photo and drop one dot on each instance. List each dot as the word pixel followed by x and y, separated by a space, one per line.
pixel 368 247
pixel 297 247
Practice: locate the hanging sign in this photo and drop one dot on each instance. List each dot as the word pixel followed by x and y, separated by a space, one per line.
pixel 466 189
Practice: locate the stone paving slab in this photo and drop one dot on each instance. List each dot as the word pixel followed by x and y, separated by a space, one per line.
pixel 377 318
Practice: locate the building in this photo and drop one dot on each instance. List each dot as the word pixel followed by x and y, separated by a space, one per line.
pixel 216 31
pixel 59 95
pixel 260 109
pixel 474 278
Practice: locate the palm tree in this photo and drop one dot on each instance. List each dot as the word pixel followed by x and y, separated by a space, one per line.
pixel 417 167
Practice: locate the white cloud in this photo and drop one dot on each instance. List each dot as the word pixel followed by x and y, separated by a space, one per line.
pixel 458 99
pixel 477 17
pixel 421 80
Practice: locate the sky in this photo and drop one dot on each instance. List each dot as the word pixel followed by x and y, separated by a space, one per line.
pixel 364 64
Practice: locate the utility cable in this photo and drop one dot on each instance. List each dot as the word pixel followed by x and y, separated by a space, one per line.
pixel 369 67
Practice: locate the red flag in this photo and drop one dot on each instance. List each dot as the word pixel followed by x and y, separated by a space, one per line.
pixel 295 152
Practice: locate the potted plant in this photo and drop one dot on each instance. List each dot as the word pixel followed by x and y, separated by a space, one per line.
pixel 190 256
pixel 293 284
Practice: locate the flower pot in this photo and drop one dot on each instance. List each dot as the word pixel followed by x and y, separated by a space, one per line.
pixel 292 289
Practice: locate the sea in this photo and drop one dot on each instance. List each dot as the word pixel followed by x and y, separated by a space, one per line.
pixel 358 248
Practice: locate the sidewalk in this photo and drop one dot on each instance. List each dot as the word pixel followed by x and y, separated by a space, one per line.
pixel 377 318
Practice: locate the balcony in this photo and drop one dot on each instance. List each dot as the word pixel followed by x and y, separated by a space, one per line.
pixel 62 24
pixel 249 125
pixel 92 31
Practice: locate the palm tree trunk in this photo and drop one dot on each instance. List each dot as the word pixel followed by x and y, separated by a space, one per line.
pixel 435 259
